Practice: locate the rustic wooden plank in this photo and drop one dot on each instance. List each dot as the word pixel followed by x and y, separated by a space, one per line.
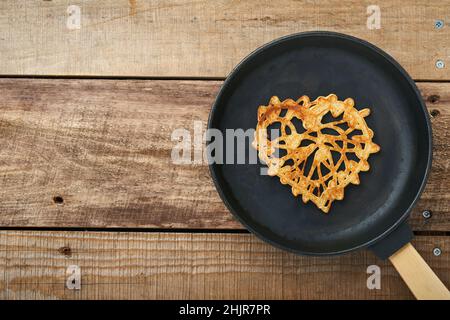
pixel 104 146
pixel 436 196
pixel 123 265
pixel 190 38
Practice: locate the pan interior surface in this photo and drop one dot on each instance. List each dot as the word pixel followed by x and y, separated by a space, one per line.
pixel 318 64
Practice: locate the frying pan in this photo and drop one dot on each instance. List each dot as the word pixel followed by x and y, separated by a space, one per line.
pixel 373 214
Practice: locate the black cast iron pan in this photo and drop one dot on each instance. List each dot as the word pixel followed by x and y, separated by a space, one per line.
pixel 373 214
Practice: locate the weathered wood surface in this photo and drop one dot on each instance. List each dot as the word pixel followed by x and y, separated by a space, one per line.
pixel 104 147
pixel 188 38
pixel 191 266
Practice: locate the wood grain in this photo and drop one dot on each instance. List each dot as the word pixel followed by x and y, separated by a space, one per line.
pixel 104 147
pixel 193 38
pixel 191 266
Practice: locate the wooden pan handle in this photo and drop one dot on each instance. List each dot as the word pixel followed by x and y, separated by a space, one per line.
pixel 419 277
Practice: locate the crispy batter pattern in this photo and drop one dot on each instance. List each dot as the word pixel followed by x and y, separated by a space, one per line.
pixel 335 150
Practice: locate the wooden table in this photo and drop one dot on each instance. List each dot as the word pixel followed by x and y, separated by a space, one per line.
pixel 86 115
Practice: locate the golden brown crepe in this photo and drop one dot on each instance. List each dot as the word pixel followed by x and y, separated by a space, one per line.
pixel 346 135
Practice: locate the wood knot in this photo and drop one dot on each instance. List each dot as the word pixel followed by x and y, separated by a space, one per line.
pixel 434 98
pixel 434 113
pixel 58 200
pixel 65 251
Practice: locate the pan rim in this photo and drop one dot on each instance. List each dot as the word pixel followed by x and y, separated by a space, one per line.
pixel 213 167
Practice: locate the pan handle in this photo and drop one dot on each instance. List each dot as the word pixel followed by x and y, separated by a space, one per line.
pixel 419 277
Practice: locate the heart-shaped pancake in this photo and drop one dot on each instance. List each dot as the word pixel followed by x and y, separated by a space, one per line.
pixel 322 155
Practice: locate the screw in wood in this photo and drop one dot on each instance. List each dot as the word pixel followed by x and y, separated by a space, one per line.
pixel 426 214
pixel 437 252
pixel 438 24
pixel 440 64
